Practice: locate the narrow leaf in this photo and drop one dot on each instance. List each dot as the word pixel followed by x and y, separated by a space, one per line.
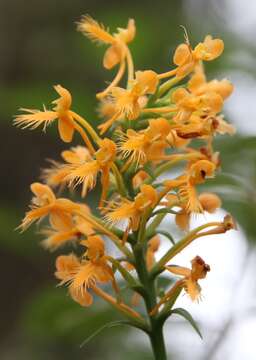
pixel 184 313
pixel 106 326
pixel 167 235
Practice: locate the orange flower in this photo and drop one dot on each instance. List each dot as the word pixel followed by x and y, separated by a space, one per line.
pixel 56 238
pixel 147 144
pixel 87 276
pixel 81 275
pixel 36 118
pixel 200 170
pixel 139 178
pixel 133 210
pixel 198 85
pixel 146 82
pixel 209 202
pixel 45 203
pixel 186 58
pixel 196 174
pixel 57 174
pixel 175 140
pixel 95 247
pixel 66 268
pixel 222 127
pixel 154 125
pixel 127 102
pixel 209 49
pixel 86 173
pixel 117 49
pixel 206 104
pixel 191 276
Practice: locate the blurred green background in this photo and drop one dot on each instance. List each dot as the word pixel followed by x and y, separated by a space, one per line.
pixel 40 48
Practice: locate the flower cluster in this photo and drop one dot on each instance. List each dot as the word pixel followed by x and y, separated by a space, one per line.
pixel 150 123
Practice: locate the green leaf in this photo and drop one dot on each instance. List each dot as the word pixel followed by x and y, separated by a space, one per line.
pixel 167 235
pixel 184 313
pixel 106 326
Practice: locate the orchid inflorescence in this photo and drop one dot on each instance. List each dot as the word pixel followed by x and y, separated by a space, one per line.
pixel 155 122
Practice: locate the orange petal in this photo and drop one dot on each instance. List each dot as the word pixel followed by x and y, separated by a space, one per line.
pixel 66 129
pixel 112 56
pixel 60 220
pixel 43 191
pixel 178 270
pixel 83 298
pixel 182 54
pixel 182 220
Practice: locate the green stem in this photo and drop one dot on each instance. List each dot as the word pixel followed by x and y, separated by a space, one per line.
pixel 119 180
pixel 157 343
pixel 156 327
pixel 167 85
pixel 167 165
pixel 179 246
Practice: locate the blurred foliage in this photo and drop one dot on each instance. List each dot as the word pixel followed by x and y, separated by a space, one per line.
pixel 236 184
pixel 41 48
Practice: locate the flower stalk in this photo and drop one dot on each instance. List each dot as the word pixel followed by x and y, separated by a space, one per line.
pixel 147 128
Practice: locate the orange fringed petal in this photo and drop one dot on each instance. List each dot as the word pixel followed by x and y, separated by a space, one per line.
pixel 95 247
pixel 83 298
pixel 66 267
pixel 182 220
pixel 94 31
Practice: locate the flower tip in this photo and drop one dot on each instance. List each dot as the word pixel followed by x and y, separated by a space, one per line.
pixel 229 223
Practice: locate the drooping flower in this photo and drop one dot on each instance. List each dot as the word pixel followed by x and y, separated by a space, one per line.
pixel 191 276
